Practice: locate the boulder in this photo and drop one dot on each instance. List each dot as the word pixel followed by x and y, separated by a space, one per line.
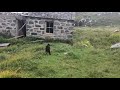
pixel 117 31
pixel 4 44
pixel 65 53
pixel 117 45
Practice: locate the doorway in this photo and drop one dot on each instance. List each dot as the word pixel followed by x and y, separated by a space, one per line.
pixel 23 30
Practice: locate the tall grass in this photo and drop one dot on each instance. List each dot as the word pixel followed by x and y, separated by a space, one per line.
pixel 90 56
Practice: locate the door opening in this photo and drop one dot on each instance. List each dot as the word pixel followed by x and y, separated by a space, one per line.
pixel 23 30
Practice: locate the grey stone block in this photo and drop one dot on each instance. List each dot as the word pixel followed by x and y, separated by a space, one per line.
pixel 43 32
pixel 12 24
pixel 54 27
pixel 33 33
pixel 62 31
pixel 41 22
pixel 27 29
pixel 66 30
pixel 8 27
pixel 3 23
pixel 56 23
pixel 28 26
pixel 38 31
pixel 0 26
pixel 36 21
pixel 9 20
pixel 67 24
pixel 31 22
pixel 30 30
pixel 70 28
pixel 42 28
pixel 14 21
pixel 60 27
pixel 37 25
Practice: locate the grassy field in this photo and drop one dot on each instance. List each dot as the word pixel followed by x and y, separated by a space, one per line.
pixel 90 56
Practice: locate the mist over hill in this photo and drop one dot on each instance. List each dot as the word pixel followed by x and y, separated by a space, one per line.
pixel 98 18
pixel 82 18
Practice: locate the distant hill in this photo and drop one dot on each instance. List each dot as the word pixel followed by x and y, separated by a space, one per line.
pixel 99 18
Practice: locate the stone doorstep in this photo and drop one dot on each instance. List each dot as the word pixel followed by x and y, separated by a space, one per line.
pixel 4 44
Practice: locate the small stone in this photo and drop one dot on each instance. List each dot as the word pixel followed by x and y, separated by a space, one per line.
pixel 36 21
pixel 31 22
pixel 41 28
pixel 31 30
pixel 65 53
pixel 62 31
pixel 66 30
pixel 36 28
pixel 41 22
pixel 70 28
pixel 9 20
pixel 28 26
pixel 37 25
pixel 56 23
pixel 3 24
pixel 38 31
pixel 43 32
pixel 33 33
pixel 14 20
pixel 0 26
pixel 60 27
pixel 8 28
pixel 12 24
pixel 54 27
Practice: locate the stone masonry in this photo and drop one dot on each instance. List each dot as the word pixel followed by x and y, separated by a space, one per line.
pixel 36 26
pixel 55 15
pixel 8 25
pixel 62 29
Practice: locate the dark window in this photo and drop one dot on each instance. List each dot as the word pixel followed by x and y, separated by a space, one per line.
pixel 49 28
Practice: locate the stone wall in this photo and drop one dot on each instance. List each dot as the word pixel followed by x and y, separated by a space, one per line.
pixel 63 29
pixel 8 24
pixel 36 27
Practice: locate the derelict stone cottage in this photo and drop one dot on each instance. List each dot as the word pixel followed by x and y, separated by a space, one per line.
pixel 56 25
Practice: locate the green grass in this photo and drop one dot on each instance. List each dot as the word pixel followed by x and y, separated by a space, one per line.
pixel 90 56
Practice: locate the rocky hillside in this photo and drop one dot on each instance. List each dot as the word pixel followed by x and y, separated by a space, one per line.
pixel 98 18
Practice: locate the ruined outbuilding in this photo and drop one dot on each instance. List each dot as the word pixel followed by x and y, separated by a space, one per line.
pixel 57 25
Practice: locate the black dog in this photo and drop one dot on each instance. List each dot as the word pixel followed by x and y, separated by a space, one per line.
pixel 47 49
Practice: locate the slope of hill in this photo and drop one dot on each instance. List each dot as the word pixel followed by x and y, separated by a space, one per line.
pixel 89 57
pixel 100 18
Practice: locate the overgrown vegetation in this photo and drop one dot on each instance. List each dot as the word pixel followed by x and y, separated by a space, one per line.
pixel 90 56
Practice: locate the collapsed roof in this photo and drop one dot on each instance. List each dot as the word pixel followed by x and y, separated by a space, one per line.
pixel 54 15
